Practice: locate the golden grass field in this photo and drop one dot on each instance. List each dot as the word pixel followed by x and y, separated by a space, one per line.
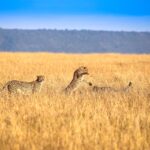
pixel 51 120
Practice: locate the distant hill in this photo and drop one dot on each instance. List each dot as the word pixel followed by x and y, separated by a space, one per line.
pixel 74 41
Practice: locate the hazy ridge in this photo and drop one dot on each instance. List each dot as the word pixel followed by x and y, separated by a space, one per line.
pixel 74 41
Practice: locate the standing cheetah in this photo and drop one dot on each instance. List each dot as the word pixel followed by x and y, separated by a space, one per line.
pixel 23 87
pixel 78 79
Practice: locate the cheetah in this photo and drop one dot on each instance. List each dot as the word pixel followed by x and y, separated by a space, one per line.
pixel 78 79
pixel 98 89
pixel 23 87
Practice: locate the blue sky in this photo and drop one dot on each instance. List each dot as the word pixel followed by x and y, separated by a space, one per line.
pixel 130 15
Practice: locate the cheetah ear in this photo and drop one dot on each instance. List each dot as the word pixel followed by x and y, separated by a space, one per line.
pixel 37 78
pixel 90 84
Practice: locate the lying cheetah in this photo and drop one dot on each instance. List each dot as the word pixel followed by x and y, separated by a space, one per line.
pixel 109 89
pixel 25 88
pixel 78 79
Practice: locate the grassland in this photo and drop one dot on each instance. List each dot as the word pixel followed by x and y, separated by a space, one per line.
pixel 51 120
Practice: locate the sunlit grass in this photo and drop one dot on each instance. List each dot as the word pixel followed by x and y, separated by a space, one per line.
pixel 52 120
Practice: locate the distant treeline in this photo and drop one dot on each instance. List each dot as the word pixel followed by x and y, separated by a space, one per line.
pixel 74 41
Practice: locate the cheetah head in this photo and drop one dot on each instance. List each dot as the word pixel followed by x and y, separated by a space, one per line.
pixel 81 71
pixel 40 78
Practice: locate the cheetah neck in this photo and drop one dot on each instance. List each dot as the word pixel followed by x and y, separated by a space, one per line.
pixel 74 84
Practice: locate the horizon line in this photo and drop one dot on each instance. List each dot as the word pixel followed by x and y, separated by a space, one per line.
pixel 75 29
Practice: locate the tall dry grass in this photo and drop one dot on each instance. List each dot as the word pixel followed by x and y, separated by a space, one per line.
pixel 52 120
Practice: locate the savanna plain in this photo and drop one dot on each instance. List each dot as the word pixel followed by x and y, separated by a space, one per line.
pixel 51 120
